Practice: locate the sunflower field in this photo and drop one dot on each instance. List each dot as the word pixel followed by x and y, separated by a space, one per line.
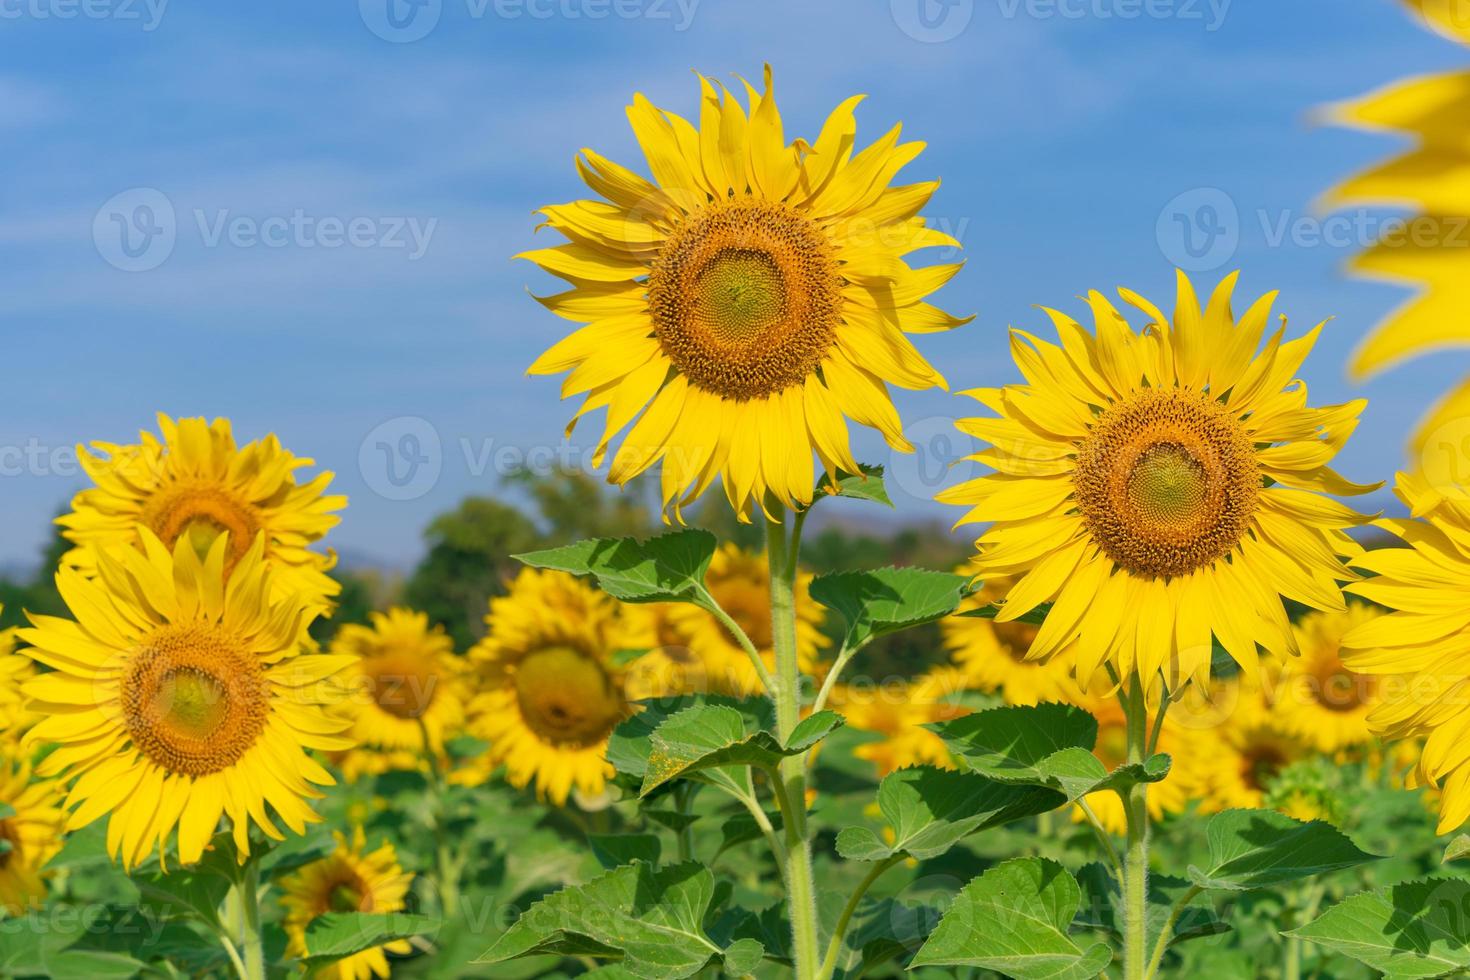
pixel 1168 700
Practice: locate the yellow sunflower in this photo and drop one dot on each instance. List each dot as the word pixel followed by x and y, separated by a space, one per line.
pixel 992 655
pixel 669 667
pixel 1243 754
pixel 31 830
pixel 350 879
pixel 898 710
pixel 748 302
pixel 549 689
pixel 740 583
pixel 1160 486
pixel 1432 251
pixel 178 696
pixel 194 483
pixel 1317 699
pixel 1172 795
pixel 405 682
pixel 15 670
pixel 1418 652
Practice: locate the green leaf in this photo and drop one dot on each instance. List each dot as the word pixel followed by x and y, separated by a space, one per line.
pixel 1102 907
pixel 338 935
pixel 887 600
pixel 1416 929
pixel 1013 919
pixel 1458 849
pixel 742 829
pixel 612 850
pixel 668 568
pixel 1260 848
pixel 631 741
pixel 710 737
pixel 930 810
pixel 865 485
pixel 1044 745
pixel 1035 617
pixel 652 920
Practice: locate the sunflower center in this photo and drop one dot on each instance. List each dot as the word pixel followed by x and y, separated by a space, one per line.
pixel 1338 689
pixel 193 700
pixel 401 684
pixel 1167 482
pixel 349 896
pixel 566 697
pixel 199 513
pixel 1260 765
pixel 745 298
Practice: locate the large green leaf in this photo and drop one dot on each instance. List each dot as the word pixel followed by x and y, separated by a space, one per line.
pixel 1417 929
pixel 338 935
pixel 709 738
pixel 1013 919
pixel 864 485
pixel 1044 745
pixel 651 920
pixel 887 600
pixel 613 850
pixel 1260 848
pixel 930 810
pixel 668 568
pixel 631 742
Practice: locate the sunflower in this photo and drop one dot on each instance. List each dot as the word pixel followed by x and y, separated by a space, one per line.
pixel 31 829
pixel 1161 486
pixel 748 302
pixel 1318 700
pixel 898 711
pixel 1243 755
pixel 15 670
pixel 195 483
pixel 668 667
pixel 1170 796
pixel 1421 647
pixel 549 688
pixel 741 585
pixel 1432 253
pixel 179 695
pixel 347 880
pixel 992 655
pixel 404 683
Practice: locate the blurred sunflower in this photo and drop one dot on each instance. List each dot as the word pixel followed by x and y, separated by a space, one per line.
pixel 897 711
pixel 31 829
pixel 747 302
pixel 1161 486
pixel 15 670
pixel 404 683
pixel 1433 252
pixel 1317 699
pixel 347 880
pixel 1423 641
pixel 549 687
pixel 740 583
pixel 1245 754
pixel 992 655
pixel 669 667
pixel 1172 795
pixel 178 696
pixel 195 483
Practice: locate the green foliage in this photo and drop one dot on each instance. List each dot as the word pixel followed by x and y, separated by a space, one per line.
pixel 712 740
pixel 668 568
pixel 1102 907
pixel 1260 848
pixel 888 600
pixel 1417 929
pixel 1014 919
pixel 338 935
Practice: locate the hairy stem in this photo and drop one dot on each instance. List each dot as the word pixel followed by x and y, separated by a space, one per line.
pixel 1135 858
pixel 250 936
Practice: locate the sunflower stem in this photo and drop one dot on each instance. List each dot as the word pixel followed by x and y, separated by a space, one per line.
pixel 1135 858
pixel 446 864
pixel 801 900
pixel 248 887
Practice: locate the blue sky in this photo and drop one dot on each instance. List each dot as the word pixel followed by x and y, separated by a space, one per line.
pixel 346 188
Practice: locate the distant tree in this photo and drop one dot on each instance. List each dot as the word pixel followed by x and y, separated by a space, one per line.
pixel 37 592
pixel 572 505
pixel 363 590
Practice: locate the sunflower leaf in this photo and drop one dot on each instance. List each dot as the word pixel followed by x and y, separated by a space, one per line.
pixel 612 850
pixel 651 921
pixel 1416 929
pixel 668 568
pixel 887 600
pixel 1013 920
pixel 864 485
pixel 709 738
pixel 1260 848
pixel 338 935
pixel 991 610
pixel 631 741
pixel 1457 850
pixel 931 810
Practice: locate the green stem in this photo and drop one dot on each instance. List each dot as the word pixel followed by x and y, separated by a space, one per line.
pixel 446 863
pixel 834 946
pixel 1103 840
pixel 727 621
pixel 683 802
pixel 1135 858
pixel 250 937
pixel 1162 945
pixel 801 892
